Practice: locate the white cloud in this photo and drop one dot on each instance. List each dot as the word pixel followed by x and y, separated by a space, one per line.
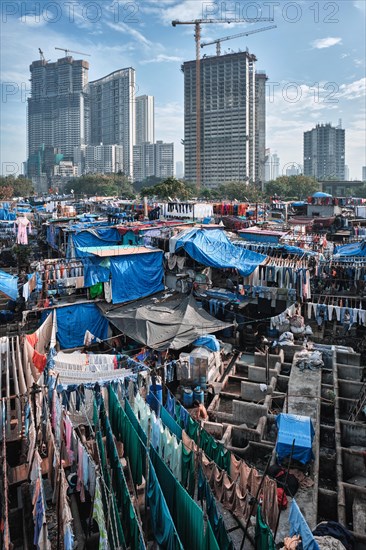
pixel 360 5
pixel 162 58
pixel 322 43
pixel 33 20
pixel 354 90
pixel 137 35
pixel 344 55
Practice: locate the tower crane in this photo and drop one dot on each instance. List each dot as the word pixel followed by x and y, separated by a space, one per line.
pixel 219 40
pixel 42 57
pixel 71 51
pixel 197 36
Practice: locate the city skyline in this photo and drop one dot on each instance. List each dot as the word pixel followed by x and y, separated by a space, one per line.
pixel 320 79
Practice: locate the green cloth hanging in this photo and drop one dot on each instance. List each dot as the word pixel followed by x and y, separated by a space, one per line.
pixel 222 537
pixel 189 521
pixel 96 290
pixel 188 480
pixel 210 540
pixel 125 432
pixel 215 451
pixel 186 514
pixel 263 535
pixel 120 486
pixel 115 531
pixel 192 429
pixel 163 526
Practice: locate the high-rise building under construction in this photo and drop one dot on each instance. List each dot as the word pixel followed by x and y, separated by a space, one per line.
pixel 232 120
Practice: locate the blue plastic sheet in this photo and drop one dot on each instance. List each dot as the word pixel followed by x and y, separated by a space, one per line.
pixel 94 272
pixel 95 237
pixel 9 285
pixel 209 341
pixel 353 249
pixel 133 276
pixel 212 248
pixel 299 428
pixel 321 195
pixel 74 321
pixel 136 276
pixel 6 215
pixel 260 237
pixel 52 233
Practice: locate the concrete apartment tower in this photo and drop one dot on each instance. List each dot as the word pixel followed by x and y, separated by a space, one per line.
pixel 324 152
pixel 232 120
pixel 58 112
pixel 145 119
pixel 112 99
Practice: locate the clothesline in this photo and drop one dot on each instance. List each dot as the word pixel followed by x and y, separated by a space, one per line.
pixel 101 477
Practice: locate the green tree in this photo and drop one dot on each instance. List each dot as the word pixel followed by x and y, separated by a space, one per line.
pixel 124 186
pixel 15 187
pixel 92 184
pixel 147 182
pixel 171 188
pixel 299 187
pixel 206 194
pixel 240 192
pixel 23 187
pixel 101 184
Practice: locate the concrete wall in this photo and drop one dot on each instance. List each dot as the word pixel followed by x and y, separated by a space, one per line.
pixel 353 434
pixel 248 413
pixel 252 392
pixel 350 372
pixel 353 464
pixel 258 374
pixel 261 361
pixel 349 389
pixel 215 429
pixel 346 358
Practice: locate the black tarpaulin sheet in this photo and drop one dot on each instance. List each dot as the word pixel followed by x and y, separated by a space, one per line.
pixel 163 324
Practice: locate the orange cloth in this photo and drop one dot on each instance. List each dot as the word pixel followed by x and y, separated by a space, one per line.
pixel 32 339
pixel 39 361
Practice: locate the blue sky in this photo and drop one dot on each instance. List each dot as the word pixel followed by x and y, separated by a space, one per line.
pixel 314 59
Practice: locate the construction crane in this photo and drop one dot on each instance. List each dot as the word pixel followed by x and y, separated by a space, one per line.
pixel 219 40
pixel 197 36
pixel 41 55
pixel 71 51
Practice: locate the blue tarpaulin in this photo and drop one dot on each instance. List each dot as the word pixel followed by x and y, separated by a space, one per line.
pixel 7 215
pixel 73 321
pixel 136 276
pixel 321 195
pixel 209 341
pixel 9 285
pixel 95 237
pixel 94 272
pixel 299 428
pixel 260 237
pixel 353 249
pixel 213 248
pixel 52 235
pixel 133 276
